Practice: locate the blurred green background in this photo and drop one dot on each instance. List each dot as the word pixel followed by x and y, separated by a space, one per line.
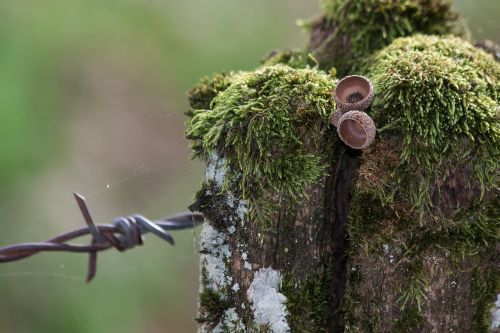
pixel 91 100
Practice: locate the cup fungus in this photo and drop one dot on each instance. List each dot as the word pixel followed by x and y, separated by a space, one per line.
pixel 353 92
pixel 336 117
pixel 356 129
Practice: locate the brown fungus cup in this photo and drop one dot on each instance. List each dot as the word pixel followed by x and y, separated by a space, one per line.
pixel 356 129
pixel 353 92
pixel 336 117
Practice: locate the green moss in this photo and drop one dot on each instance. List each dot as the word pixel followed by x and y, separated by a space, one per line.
pixel 477 231
pixel 307 301
pixel 295 59
pixel 373 24
pixel 212 307
pixel 367 213
pixel 202 94
pixel 484 287
pixel 414 295
pixel 268 125
pixel 410 319
pixel 440 95
pixel 213 203
pixel 373 224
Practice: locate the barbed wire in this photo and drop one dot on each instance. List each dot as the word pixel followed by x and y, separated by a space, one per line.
pixel 123 234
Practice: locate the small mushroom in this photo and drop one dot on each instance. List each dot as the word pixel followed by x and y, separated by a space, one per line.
pixel 356 129
pixel 353 92
pixel 336 117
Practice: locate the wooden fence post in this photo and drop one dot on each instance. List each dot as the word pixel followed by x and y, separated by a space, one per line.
pixel 304 234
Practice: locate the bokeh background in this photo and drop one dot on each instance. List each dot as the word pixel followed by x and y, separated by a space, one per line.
pixel 92 94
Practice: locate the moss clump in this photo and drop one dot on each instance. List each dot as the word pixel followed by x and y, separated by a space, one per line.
pixel 262 125
pixel 441 96
pixel 373 24
pixel 477 232
pixel 212 306
pixel 214 204
pixel 294 59
pixel 411 318
pixel 202 94
pixel 307 301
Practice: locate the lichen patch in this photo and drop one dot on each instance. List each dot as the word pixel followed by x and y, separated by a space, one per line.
pixel 230 322
pixel 215 253
pixel 216 169
pixel 268 303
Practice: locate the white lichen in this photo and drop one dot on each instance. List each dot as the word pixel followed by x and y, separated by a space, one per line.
pixel 246 264
pixel 216 169
pixel 215 253
pixel 386 248
pixel 495 314
pixel 229 322
pixel 242 210
pixel 268 304
pixel 214 243
pixel 230 200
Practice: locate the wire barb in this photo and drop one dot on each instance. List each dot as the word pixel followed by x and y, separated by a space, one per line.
pixel 123 234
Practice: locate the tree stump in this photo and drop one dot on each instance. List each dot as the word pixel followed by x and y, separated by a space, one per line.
pixel 304 234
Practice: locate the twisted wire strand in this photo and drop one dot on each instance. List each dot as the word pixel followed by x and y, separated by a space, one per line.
pixel 123 234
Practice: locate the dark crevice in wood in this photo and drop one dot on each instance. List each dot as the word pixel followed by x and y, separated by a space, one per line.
pixel 345 172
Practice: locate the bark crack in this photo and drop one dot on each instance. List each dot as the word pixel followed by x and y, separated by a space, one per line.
pixel 345 173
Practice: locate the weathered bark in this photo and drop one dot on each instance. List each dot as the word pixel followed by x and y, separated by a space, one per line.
pixel 440 283
pixel 311 248
pixel 306 247
pixel 344 259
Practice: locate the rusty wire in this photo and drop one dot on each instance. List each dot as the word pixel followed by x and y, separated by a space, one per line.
pixel 123 234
